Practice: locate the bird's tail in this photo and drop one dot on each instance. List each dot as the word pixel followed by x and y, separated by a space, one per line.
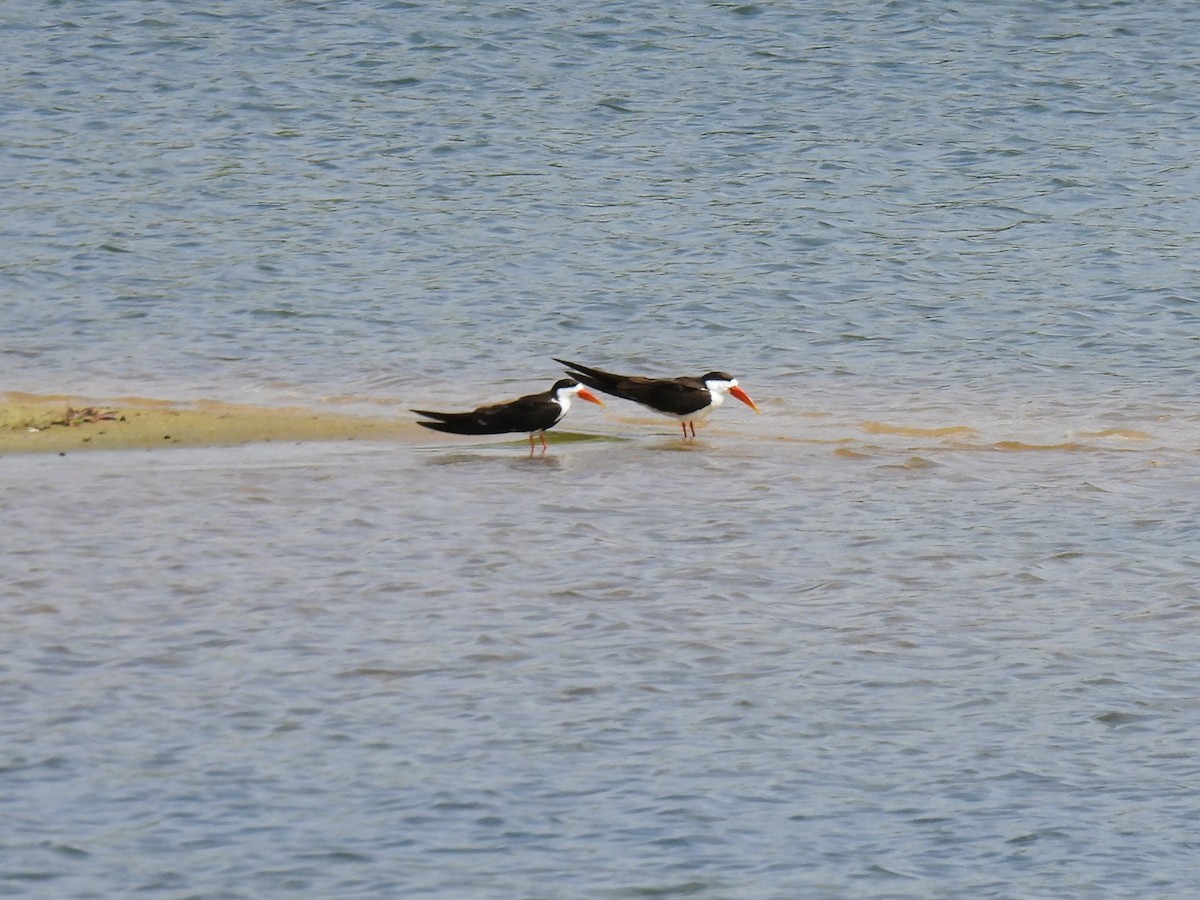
pixel 593 378
pixel 430 414
pixel 451 423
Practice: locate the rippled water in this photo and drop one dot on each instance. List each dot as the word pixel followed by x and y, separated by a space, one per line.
pixel 924 628
pixel 623 670
pixel 236 200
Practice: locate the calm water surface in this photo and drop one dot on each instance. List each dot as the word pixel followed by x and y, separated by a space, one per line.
pixel 926 628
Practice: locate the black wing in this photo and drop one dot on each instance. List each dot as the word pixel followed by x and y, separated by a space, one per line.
pixel 535 412
pixel 675 396
pixel 595 378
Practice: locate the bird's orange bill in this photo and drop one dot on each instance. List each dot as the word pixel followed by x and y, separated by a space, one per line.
pixel 741 395
pixel 585 394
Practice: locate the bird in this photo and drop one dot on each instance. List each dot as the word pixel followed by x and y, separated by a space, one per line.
pixel 534 413
pixel 685 399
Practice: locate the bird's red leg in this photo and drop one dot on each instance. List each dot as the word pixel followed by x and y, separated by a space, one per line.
pixel 683 425
pixel 545 446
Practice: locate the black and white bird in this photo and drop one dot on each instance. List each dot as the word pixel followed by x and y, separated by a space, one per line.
pixel 534 414
pixel 684 399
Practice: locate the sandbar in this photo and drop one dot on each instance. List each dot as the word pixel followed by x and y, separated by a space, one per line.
pixel 32 423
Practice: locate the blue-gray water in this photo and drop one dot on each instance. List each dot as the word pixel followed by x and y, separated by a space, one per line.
pixel 926 628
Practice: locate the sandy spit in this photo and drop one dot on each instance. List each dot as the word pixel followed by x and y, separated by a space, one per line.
pixel 31 423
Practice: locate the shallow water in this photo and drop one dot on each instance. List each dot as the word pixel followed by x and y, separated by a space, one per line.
pixel 625 669
pixel 923 628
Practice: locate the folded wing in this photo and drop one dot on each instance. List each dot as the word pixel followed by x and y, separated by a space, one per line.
pixel 528 414
pixel 673 396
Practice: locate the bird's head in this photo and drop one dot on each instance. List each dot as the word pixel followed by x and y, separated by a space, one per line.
pixel 566 388
pixel 724 383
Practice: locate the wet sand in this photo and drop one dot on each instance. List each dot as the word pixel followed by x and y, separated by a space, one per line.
pixel 31 423
pixel 35 423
